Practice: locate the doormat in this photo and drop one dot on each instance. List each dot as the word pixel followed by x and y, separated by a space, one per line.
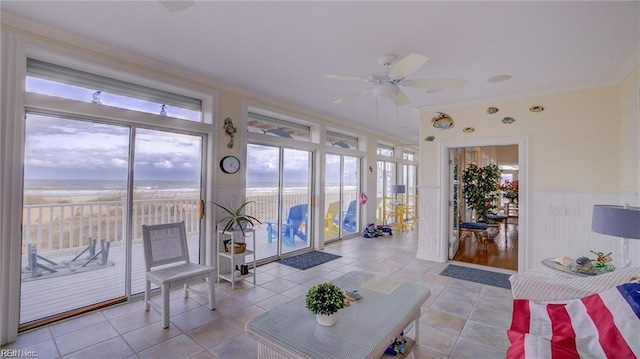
pixel 308 260
pixel 477 275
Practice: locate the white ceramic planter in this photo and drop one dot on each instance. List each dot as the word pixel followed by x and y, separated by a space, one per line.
pixel 327 320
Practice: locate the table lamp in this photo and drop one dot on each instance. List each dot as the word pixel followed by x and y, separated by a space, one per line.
pixel 397 189
pixel 619 221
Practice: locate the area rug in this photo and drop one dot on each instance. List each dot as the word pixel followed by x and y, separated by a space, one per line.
pixel 477 275
pixel 308 260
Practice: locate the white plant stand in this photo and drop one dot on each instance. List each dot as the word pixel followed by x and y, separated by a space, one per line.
pixel 227 261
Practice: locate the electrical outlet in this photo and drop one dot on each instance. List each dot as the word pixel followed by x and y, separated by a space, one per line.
pixel 557 211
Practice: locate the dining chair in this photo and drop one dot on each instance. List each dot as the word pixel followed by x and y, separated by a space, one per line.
pixel 165 246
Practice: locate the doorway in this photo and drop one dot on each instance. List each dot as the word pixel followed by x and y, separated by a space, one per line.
pixel 507 250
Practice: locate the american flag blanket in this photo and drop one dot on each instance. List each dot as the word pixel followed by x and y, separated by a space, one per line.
pixel 602 325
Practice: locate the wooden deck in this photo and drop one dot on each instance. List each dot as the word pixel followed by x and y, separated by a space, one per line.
pixel 52 294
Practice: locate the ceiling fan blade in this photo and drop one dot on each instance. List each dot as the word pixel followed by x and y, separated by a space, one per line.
pixel 407 65
pixel 341 77
pixel 400 99
pixel 349 97
pixel 176 5
pixel 435 83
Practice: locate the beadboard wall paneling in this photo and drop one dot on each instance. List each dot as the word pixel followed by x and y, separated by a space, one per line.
pixel 430 244
pixel 561 225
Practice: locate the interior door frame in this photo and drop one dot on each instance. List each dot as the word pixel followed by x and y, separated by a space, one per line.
pixel 523 196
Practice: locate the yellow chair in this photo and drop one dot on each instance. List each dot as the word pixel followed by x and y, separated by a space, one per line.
pixel 330 228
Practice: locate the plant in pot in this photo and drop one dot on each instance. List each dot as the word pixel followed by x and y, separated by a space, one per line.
pixel 480 191
pixel 324 300
pixel 236 220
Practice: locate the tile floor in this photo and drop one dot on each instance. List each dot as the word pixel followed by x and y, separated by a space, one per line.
pixel 460 320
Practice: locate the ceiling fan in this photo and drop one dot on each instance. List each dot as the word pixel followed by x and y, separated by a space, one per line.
pixel 388 80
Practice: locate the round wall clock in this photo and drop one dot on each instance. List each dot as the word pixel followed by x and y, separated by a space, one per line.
pixel 230 164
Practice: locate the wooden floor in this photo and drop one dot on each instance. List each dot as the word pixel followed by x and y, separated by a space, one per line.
pixel 500 253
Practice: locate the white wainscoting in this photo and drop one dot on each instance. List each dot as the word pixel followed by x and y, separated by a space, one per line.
pixel 430 244
pixel 559 225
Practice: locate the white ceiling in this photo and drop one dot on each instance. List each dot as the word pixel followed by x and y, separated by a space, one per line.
pixel 279 49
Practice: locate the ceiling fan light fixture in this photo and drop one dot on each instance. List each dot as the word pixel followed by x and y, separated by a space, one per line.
pixel 386 90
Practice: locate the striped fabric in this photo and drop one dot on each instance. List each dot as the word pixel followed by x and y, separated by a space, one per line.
pixel 602 325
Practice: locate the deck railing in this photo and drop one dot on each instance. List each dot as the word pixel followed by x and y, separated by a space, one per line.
pixel 67 227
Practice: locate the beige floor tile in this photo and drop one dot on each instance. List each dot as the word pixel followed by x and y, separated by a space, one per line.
pixel 194 318
pixel 178 347
pixel 240 347
pixel 30 338
pixel 279 285
pixel 444 321
pixel 229 305
pixel 488 335
pixel 214 333
pixel 468 349
pixel 204 355
pixel 255 294
pixel 114 348
pixel 123 309
pixel 85 337
pixel 452 304
pixel 296 291
pixel 135 320
pixel 436 279
pixel 420 352
pixel 436 340
pixel 465 285
pixel 497 319
pixel 273 302
pixel 150 335
pixel 80 322
pixel 495 303
pixel 241 317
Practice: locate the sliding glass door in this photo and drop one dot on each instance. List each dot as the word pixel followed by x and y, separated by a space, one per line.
pixel 88 188
pixel 279 183
pixel 342 185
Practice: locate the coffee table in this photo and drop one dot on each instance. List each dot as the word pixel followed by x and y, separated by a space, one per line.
pixel 363 330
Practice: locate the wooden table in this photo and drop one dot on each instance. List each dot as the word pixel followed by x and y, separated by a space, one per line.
pixel 363 330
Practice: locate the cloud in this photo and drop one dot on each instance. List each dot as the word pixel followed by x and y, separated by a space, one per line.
pixel 163 164
pixel 119 162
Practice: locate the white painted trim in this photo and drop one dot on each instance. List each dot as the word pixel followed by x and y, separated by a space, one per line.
pixel 12 138
pixel 523 177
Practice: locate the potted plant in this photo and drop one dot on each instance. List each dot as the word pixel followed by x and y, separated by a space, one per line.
pixel 236 219
pixel 480 190
pixel 324 300
pixel 510 190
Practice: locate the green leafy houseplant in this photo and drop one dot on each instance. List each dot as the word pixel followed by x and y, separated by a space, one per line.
pixel 236 219
pixel 324 298
pixel 480 189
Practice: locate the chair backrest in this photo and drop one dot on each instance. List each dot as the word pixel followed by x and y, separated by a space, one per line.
pixel 164 244
pixel 297 215
pixel 350 215
pixel 332 211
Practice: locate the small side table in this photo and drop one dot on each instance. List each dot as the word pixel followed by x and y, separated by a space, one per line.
pixel 568 272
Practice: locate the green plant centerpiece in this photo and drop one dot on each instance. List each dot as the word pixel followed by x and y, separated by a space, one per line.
pixel 236 219
pixel 324 300
pixel 480 189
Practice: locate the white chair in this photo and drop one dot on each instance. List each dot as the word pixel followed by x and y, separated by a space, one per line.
pixel 164 246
